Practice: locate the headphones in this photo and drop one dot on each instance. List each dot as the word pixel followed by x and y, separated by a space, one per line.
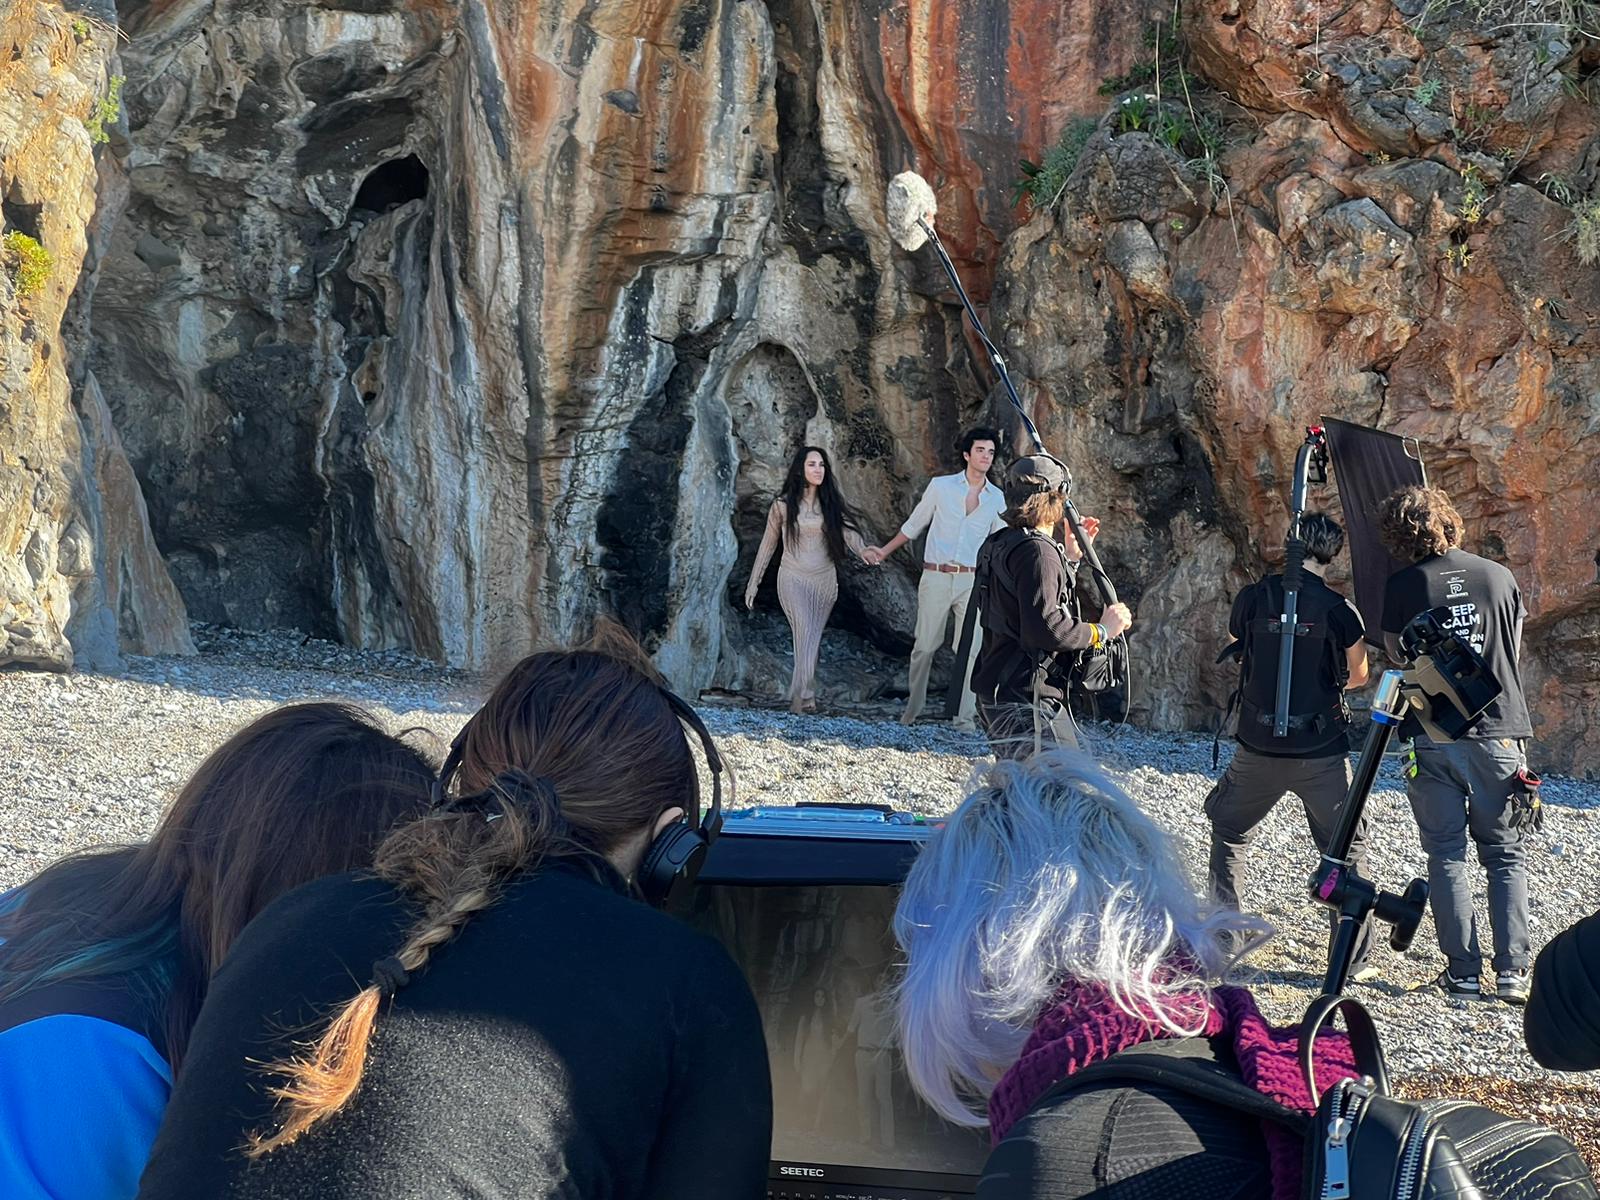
pixel 1035 461
pixel 674 858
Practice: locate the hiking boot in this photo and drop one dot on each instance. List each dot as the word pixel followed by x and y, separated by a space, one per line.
pixel 1512 986
pixel 1452 985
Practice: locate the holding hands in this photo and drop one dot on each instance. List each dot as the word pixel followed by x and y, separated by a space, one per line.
pixel 872 555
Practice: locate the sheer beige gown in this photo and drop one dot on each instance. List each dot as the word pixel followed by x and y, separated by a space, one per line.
pixel 808 585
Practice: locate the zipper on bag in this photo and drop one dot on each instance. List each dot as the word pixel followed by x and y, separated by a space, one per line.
pixel 1336 1147
pixel 1407 1182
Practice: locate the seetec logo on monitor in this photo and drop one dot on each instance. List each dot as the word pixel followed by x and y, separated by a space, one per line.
pixel 809 1172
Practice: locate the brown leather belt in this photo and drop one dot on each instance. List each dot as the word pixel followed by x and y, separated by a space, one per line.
pixel 947 568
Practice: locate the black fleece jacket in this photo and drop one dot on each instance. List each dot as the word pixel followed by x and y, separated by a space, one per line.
pixel 1025 616
pixel 571 1042
pixel 1562 1020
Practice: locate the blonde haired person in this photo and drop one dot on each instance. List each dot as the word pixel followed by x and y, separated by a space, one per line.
pixel 1049 926
pixel 493 1013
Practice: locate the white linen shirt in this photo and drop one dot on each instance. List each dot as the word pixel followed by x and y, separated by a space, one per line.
pixel 954 534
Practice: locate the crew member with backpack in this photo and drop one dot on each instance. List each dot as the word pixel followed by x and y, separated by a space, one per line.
pixel 1311 760
pixel 1031 637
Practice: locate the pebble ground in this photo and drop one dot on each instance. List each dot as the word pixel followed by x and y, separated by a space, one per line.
pixel 94 758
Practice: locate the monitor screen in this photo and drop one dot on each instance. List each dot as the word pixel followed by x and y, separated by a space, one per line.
pixel 818 958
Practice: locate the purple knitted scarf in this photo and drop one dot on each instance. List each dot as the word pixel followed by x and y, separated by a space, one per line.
pixel 1083 1025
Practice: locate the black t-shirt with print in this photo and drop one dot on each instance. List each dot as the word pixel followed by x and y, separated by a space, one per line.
pixel 1485 609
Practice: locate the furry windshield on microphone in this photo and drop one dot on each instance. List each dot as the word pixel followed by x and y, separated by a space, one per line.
pixel 910 199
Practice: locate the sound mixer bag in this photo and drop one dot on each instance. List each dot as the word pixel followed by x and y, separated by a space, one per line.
pixel 1363 1143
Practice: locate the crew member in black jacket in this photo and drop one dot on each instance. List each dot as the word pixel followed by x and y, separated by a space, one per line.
pixel 494 1013
pixel 1464 789
pixel 1562 1024
pixel 1029 630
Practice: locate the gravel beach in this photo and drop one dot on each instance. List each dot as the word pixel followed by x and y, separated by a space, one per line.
pixel 94 758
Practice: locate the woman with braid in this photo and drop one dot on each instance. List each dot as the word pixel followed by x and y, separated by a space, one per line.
pixel 493 1012
pixel 818 531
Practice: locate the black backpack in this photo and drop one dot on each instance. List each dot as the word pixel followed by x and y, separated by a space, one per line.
pixel 1318 714
pixel 1363 1143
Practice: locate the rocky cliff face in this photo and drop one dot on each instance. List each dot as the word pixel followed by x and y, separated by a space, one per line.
pixel 448 325
pixel 1394 238
pixel 79 576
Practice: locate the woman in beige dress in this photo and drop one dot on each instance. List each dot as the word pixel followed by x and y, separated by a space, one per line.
pixel 819 531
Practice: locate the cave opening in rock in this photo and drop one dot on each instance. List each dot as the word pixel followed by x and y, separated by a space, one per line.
pixel 391 184
pixel 23 218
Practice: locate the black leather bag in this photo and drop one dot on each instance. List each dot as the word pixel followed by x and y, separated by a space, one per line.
pixel 1366 1143
pixel 1363 1143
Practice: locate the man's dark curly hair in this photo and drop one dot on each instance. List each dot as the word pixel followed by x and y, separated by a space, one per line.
pixel 1416 522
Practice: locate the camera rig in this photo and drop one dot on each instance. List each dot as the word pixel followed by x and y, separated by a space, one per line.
pixel 1446 688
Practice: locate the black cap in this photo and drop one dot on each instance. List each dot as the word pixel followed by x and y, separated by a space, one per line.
pixel 1042 466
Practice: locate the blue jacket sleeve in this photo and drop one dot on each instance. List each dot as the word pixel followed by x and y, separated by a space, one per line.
pixel 80 1102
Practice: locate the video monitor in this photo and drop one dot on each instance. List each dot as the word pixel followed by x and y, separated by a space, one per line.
pixel 846 1123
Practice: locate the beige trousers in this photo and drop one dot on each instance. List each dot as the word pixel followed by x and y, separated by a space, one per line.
pixel 941 595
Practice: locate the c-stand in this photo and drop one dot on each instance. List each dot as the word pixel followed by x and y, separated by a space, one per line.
pixel 1336 882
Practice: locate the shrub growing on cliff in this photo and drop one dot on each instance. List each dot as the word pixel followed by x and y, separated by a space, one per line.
pixel 1585 231
pixel 105 112
pixel 31 263
pixel 1042 182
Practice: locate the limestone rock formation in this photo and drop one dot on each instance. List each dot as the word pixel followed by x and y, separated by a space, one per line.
pixel 1180 331
pixel 446 326
pixel 79 576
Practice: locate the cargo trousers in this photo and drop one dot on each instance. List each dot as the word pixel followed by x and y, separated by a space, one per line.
pixel 1250 789
pixel 1460 789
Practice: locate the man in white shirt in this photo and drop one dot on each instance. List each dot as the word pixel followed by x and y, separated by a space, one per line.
pixel 959 511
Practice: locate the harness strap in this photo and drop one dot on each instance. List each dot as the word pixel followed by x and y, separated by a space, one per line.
pixel 1274 626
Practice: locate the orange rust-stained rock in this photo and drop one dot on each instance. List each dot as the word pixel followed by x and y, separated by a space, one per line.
pixel 969 97
pixel 451 326
pixel 1433 297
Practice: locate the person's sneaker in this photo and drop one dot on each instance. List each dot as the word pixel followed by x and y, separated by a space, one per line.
pixel 1452 985
pixel 1512 986
pixel 1367 974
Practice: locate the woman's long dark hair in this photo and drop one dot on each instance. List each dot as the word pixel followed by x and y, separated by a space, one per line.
pixel 837 516
pixel 307 790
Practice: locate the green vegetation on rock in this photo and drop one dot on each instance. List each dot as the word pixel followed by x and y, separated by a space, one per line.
pixel 1042 182
pixel 105 112
pixel 31 263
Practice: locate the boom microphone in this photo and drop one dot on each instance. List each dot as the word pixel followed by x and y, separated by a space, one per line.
pixel 911 208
